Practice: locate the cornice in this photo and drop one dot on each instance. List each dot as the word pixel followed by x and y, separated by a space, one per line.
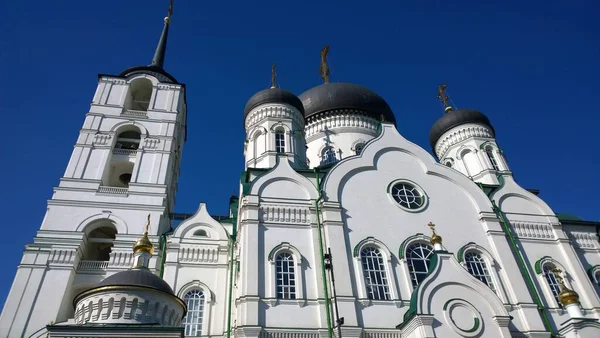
pixel 265 111
pixel 459 134
pixel 90 204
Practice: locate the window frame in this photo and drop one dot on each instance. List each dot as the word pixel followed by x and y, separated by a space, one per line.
pixel 373 287
pixel 208 302
pixel 500 289
pixel 408 260
pixel 360 273
pixel 325 158
pixel 484 265
pixel 491 158
pixel 280 141
pixel 424 197
pixel 271 293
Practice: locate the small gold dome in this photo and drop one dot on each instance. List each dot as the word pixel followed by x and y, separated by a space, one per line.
pixel 567 296
pixel 436 239
pixel 143 244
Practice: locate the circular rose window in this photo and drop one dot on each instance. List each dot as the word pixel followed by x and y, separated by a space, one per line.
pixel 408 196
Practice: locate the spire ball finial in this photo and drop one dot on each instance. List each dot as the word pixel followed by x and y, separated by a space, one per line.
pixel 324 69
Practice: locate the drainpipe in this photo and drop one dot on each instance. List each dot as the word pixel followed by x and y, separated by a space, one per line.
pixel 522 266
pixel 321 251
pixel 163 251
pixel 231 243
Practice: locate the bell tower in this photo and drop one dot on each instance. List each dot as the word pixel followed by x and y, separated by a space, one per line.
pixel 124 167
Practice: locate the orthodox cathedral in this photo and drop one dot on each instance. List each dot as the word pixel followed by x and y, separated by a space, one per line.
pixel 342 228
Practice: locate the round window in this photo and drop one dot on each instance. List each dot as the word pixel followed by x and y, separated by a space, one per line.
pixel 408 196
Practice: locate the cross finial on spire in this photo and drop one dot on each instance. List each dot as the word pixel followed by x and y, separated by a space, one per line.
pixel 273 76
pixel 147 225
pixel 169 11
pixel 324 69
pixel 436 239
pixel 558 274
pixel 443 97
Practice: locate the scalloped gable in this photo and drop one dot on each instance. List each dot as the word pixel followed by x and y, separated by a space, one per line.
pixel 512 198
pixel 447 283
pixel 282 181
pixel 391 140
pixel 201 217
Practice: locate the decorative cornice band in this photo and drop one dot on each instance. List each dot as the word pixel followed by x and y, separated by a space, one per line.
pixel 459 134
pixel 274 111
pixel 339 119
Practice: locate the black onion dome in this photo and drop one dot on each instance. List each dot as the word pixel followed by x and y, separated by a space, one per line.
pixel 455 118
pixel 340 95
pixel 137 277
pixel 273 95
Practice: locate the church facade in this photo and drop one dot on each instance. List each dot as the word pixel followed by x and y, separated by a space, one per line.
pixel 342 227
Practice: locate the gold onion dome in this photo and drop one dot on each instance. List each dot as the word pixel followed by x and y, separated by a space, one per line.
pixel 143 244
pixel 567 296
pixel 436 239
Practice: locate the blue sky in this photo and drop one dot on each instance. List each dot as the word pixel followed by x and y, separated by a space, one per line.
pixel 531 66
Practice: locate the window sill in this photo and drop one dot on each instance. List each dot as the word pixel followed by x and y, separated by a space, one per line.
pixel 275 302
pixel 369 302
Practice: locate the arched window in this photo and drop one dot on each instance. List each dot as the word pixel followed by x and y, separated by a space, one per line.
pixel 195 301
pixel 552 281
pixel 328 156
pixel 448 164
pixel 129 139
pixel 358 148
pixel 477 267
pixel 376 281
pixel 100 243
pixel 490 155
pixel 597 277
pixel 140 92
pixel 418 256
pixel 285 276
pixel 200 233
pixel 280 141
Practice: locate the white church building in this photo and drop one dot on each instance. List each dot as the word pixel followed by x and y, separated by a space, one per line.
pixel 342 228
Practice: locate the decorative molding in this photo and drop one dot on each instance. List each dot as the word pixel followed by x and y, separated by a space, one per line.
pixel 461 134
pixel 381 334
pixel 533 230
pixel 273 111
pixel 584 240
pixel 151 143
pixel 102 139
pixel 199 254
pixel 288 334
pixel 284 213
pixel 62 256
pixel 340 119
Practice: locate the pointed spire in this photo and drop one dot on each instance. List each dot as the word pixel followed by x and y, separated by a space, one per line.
pixel 143 249
pixel 161 49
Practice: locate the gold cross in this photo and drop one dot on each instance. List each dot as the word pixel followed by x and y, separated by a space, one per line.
pixel 273 76
pixel 170 9
pixel 432 227
pixel 442 95
pixel 324 69
pixel 557 273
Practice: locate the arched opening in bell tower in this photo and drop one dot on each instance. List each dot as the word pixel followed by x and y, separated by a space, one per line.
pixel 100 242
pixel 139 94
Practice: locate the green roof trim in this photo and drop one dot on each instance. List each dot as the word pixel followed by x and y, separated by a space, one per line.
pixel 460 254
pixel 402 249
pixel 539 264
pixel 412 309
pixel 568 217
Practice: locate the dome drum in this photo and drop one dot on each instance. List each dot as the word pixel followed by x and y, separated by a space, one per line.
pixel 273 95
pixel 455 118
